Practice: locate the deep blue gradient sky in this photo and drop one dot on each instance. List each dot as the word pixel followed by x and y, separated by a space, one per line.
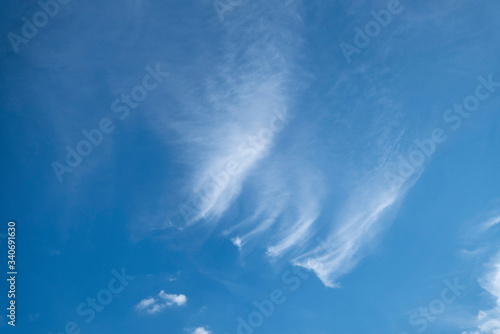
pixel 242 155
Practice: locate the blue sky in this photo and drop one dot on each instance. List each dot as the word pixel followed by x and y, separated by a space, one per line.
pixel 251 166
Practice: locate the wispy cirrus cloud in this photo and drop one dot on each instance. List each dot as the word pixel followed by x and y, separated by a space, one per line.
pixel 491 222
pixel 284 199
pixel 488 321
pixel 298 232
pixel 359 222
pixel 232 120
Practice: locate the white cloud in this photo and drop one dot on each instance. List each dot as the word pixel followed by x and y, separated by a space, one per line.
pixel 201 330
pixel 237 242
pixel 145 303
pixel 171 299
pixel 157 304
